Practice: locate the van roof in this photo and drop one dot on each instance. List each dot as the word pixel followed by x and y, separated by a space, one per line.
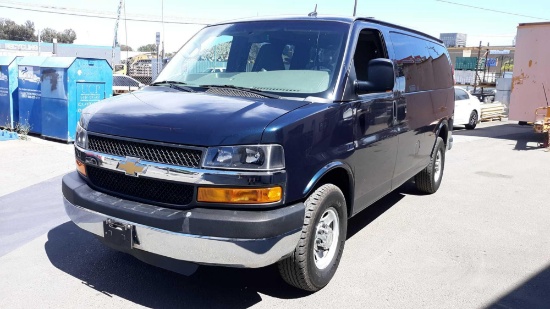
pixel 341 19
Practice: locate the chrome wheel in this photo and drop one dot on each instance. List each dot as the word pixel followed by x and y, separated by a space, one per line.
pixel 327 234
pixel 317 254
pixel 437 166
pixel 429 179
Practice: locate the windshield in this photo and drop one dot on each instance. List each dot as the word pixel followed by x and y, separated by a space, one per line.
pixel 290 58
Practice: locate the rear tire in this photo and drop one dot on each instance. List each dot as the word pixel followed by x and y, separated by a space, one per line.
pixel 429 179
pixel 314 261
pixel 473 121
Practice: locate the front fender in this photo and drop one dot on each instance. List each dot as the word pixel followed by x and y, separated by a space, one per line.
pixel 324 171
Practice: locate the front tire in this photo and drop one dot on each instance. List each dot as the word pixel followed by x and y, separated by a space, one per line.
pixel 473 121
pixel 429 179
pixel 314 261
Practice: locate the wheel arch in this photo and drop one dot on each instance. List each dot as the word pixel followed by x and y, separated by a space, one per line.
pixel 442 131
pixel 338 174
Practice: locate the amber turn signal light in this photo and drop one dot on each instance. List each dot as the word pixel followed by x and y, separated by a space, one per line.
pixel 81 168
pixel 239 196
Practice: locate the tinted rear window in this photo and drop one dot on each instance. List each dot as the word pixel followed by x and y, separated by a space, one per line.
pixel 422 64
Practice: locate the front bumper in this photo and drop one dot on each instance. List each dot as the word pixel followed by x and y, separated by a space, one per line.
pixel 234 238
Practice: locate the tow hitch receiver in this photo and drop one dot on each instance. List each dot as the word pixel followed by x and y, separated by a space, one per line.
pixel 118 234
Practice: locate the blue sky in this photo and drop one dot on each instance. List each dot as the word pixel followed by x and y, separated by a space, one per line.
pixel 430 16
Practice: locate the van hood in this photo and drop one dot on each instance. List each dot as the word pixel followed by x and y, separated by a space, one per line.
pixel 199 119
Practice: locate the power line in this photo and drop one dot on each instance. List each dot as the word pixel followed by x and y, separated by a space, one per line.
pixel 491 10
pixel 100 16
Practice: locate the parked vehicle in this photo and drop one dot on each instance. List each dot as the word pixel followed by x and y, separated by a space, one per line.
pixel 467 109
pixel 123 84
pixel 215 70
pixel 531 81
pixel 484 94
pixel 266 162
pixel 134 65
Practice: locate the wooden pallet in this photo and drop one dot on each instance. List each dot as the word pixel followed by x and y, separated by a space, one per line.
pixel 492 111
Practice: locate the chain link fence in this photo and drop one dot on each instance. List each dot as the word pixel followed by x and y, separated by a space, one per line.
pixel 146 71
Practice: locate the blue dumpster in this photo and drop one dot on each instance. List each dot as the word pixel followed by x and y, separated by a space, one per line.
pixel 9 107
pixel 69 84
pixel 30 111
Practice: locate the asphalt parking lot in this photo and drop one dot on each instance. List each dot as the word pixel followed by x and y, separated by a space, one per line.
pixel 482 241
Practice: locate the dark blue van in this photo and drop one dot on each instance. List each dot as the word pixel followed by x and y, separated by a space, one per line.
pixel 309 121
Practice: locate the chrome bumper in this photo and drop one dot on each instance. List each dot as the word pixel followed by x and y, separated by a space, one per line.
pixel 248 253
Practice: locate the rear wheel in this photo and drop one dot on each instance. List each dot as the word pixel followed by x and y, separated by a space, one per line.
pixel 473 121
pixel 314 261
pixel 429 179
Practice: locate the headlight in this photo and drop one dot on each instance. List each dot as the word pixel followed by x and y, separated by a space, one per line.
pixel 250 157
pixel 81 139
pixel 85 117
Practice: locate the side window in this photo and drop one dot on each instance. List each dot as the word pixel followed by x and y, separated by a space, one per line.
pixel 423 64
pixel 460 95
pixel 369 46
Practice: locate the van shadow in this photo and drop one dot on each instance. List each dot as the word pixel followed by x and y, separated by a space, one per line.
pixel 523 136
pixel 371 213
pixel 110 272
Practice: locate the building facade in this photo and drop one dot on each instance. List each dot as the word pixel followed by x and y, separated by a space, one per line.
pixel 453 39
pixel 20 48
pixel 490 63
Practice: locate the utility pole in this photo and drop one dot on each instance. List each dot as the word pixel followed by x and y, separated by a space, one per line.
pixel 115 39
pixel 486 64
pixel 157 41
pixel 477 65
pixel 355 8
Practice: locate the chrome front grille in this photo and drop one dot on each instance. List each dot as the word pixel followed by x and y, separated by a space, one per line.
pixel 142 189
pixel 151 152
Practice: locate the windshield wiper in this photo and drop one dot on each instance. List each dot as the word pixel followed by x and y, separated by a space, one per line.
pixel 174 85
pixel 245 89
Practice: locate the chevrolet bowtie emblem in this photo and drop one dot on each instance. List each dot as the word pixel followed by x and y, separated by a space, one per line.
pixel 131 166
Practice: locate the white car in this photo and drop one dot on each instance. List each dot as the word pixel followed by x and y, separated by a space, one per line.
pixel 123 84
pixel 467 109
pixel 215 70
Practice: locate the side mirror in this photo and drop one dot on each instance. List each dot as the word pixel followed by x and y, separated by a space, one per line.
pixel 381 77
